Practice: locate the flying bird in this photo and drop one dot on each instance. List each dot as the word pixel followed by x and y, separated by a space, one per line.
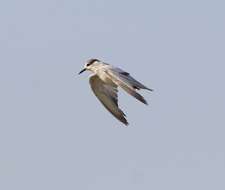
pixel 104 83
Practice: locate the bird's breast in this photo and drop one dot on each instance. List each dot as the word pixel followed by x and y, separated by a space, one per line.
pixel 104 77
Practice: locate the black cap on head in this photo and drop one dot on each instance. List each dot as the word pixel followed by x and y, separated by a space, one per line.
pixel 91 61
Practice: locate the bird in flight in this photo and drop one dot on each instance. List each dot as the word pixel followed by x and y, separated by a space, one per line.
pixel 104 82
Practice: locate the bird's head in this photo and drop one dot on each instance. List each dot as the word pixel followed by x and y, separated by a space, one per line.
pixel 90 65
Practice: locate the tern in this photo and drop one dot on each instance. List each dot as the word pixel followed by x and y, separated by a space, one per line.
pixel 104 83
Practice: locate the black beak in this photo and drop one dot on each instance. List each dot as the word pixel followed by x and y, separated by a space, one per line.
pixel 82 71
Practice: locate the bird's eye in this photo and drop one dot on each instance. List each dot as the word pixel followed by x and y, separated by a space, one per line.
pixel 91 61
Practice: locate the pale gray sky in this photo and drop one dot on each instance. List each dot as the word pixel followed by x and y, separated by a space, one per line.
pixel 54 134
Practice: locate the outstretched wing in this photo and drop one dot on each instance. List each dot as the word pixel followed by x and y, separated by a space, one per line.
pixel 127 78
pixel 107 95
pixel 126 82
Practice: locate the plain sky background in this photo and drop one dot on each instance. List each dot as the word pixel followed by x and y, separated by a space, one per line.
pixel 54 134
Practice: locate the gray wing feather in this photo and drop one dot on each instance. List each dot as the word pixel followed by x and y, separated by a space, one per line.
pixel 108 97
pixel 126 84
pixel 127 78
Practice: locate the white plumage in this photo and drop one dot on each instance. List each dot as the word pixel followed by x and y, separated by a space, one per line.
pixel 104 83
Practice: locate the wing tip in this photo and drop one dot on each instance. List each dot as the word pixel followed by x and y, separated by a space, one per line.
pixel 146 103
pixel 141 98
pixel 149 89
pixel 125 122
pixel 123 119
